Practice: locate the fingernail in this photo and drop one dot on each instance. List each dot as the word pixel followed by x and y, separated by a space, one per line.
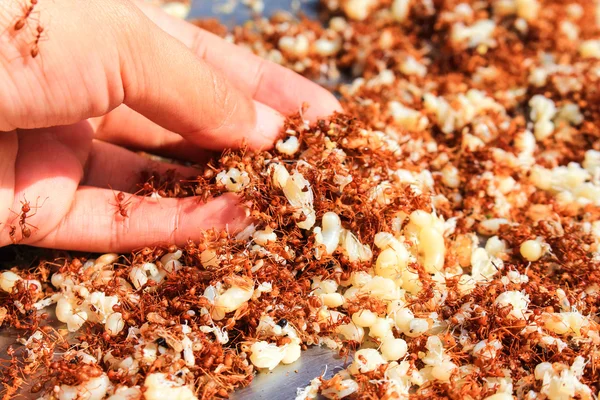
pixel 269 124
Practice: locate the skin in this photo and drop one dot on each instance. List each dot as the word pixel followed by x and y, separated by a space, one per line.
pixel 114 76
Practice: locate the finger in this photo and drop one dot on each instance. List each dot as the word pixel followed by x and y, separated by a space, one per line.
pixel 267 82
pixel 92 225
pixel 127 128
pixel 120 169
pixel 140 66
pixel 8 156
pixel 48 169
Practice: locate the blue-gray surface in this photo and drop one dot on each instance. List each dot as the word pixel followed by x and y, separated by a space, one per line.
pixel 241 13
pixel 282 383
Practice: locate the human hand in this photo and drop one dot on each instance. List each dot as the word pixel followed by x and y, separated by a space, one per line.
pixel 110 73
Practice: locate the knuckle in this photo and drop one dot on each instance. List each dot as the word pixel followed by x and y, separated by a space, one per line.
pixel 125 10
pixel 198 44
pixel 225 102
pixel 257 80
pixel 221 91
pixel 175 220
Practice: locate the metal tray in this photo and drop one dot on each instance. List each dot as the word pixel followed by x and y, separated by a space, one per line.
pixel 279 384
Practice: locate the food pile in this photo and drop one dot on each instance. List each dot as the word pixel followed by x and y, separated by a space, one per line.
pixel 443 233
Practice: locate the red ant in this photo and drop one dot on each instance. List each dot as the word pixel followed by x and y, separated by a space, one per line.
pixel 35 48
pixel 121 205
pixel 26 208
pixel 13 234
pixel 20 24
pixel 23 224
pixel 149 188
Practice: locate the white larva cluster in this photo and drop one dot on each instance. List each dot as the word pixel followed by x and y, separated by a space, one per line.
pixel 233 180
pixel 438 364
pixel 480 33
pixel 400 9
pixel 427 231
pixel 328 235
pixel 454 112
pixel 327 47
pixel 343 388
pixel 93 389
pixel 298 192
pixel 561 382
pixel 527 9
pixel 358 9
pixel 569 323
pixel 8 281
pixel 407 117
pixel 484 265
pixel 571 184
pixel 517 301
pixel 366 360
pixel 264 237
pixel 590 48
pixel 140 275
pixel 295 46
pixel 232 298
pixel 353 248
pixel 159 386
pixel 532 250
pixel 288 146
pixel 410 66
pixel 542 112
pixel 267 356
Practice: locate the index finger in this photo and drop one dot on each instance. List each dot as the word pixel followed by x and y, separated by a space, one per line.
pixel 267 82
